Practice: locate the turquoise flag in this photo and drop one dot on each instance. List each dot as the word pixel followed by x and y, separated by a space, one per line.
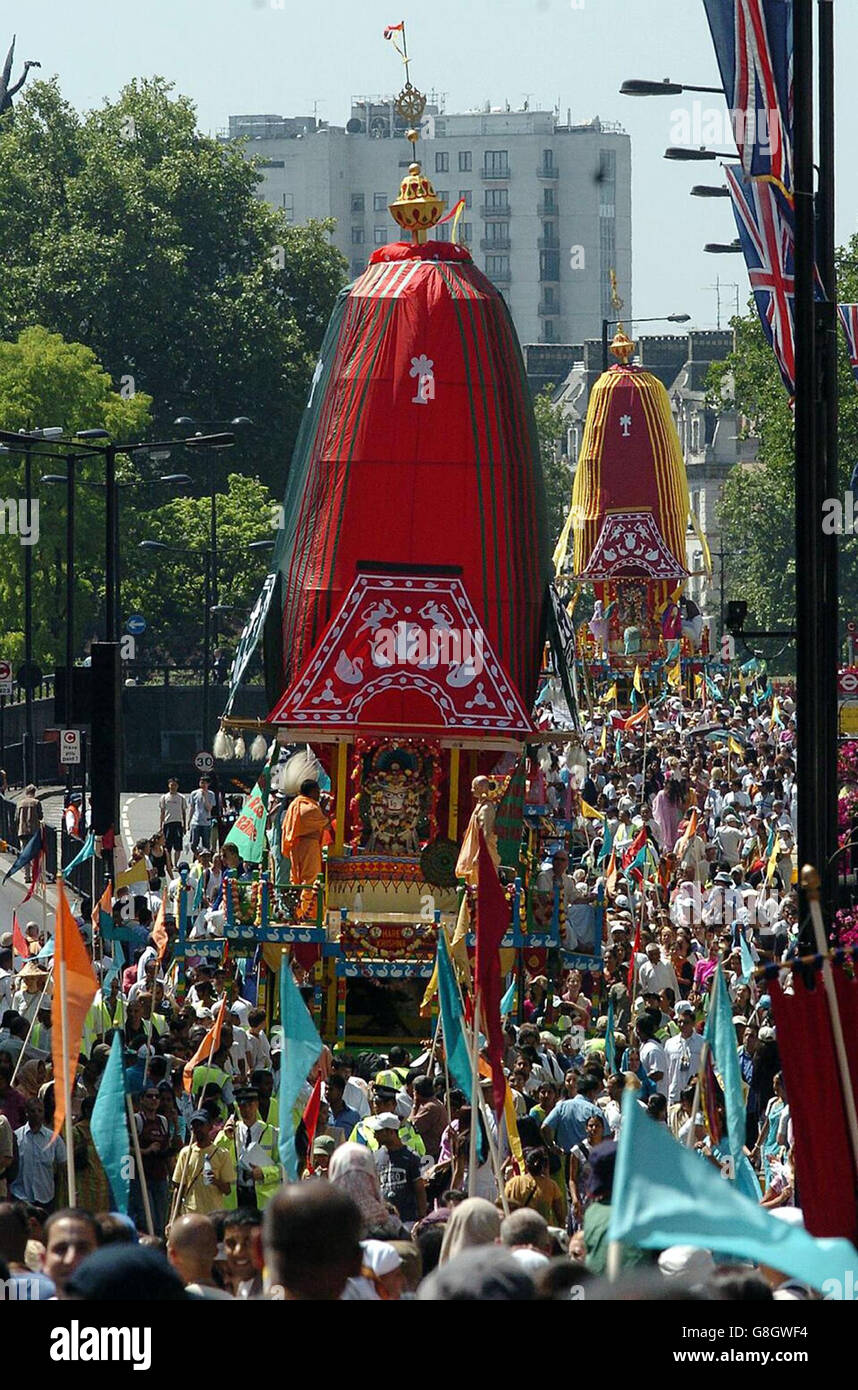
pixel 87 851
pixel 301 1047
pixel 665 1194
pixel 248 833
pixel 507 1004
pixel 610 1050
pixel 607 842
pixel 198 894
pixel 109 1127
pixel 455 1045
pixel 720 1034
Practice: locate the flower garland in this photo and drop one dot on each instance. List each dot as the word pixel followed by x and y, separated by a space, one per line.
pixel 246 900
pixel 372 941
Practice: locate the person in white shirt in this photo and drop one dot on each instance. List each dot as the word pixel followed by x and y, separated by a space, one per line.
pixel 258 1046
pixel 653 1059
pixel 683 1061
pixel 173 821
pixel 656 973
pixel 728 839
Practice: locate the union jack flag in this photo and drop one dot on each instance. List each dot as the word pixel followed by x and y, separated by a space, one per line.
pixel 766 231
pixel 754 47
pixel 849 318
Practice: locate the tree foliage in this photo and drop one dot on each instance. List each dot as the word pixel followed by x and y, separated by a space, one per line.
pixel 129 231
pixel 551 427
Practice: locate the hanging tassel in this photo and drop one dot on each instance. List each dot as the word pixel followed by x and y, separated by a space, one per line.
pixel 258 749
pixel 240 749
pixel 224 747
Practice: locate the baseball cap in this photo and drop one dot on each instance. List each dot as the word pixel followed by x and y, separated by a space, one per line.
pixel 200 1117
pixel 386 1120
pixel 325 1144
pixel 683 1007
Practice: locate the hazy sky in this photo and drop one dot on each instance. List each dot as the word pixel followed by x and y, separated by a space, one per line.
pixel 243 56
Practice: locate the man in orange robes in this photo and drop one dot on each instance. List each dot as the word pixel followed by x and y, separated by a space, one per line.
pixel 305 829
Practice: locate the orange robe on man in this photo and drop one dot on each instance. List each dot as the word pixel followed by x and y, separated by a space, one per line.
pixel 305 829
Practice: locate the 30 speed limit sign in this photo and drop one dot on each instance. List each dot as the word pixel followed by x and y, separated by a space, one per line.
pixel 204 762
pixel 70 746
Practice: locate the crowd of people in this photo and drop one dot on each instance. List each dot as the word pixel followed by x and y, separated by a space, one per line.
pixel 394 1200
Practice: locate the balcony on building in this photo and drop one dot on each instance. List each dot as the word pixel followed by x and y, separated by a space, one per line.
pixel 491 213
pixel 549 243
pixel 495 243
pixel 547 171
pixel 548 308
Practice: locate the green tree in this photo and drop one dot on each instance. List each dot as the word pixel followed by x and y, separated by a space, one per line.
pixel 551 427
pixel 45 381
pixel 758 505
pixel 168 588
pixel 128 230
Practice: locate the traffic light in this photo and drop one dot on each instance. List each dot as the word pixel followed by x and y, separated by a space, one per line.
pixel 737 612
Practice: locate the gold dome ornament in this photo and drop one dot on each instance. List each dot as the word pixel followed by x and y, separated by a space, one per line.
pixel 622 346
pixel 418 206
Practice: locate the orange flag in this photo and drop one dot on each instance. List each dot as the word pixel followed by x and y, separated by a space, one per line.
pixel 159 931
pixel 209 1045
pixel 75 986
pixel 690 831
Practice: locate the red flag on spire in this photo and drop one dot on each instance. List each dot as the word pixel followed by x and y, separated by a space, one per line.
pixel 493 922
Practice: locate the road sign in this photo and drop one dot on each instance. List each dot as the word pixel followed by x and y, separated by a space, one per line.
pixel 136 625
pixel 29 675
pixel 852 627
pixel 70 746
pixel 5 678
pixel 847 683
pixel 204 762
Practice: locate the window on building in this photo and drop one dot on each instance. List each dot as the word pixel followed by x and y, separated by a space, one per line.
pixel 468 196
pixel 549 200
pixel 465 164
pixel 548 330
pixel 442 233
pixel 497 199
pixel 442 162
pixel 358 268
pixel 497 231
pixel 379 236
pixel 358 236
pixel 695 432
pixel 549 265
pixel 466 232
pixel 548 297
pixel 358 203
pixel 379 202
pixel 288 204
pixel 497 267
pixel 548 161
pixel 444 195
pixel 496 164
pixel 549 234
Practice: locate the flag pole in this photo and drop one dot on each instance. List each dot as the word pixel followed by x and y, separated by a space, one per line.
pixel 33 1022
pixel 475 1100
pixel 810 884
pixel 141 1176
pixel 69 1062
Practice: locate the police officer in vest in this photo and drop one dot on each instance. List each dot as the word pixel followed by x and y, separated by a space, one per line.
pixel 383 1100
pixel 395 1073
pixel 256 1158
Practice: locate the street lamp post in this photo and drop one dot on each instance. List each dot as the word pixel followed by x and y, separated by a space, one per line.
pixel 206 555
pixel 612 323
pixel 199 441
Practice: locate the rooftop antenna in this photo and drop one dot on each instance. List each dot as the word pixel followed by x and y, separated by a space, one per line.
pixel 718 287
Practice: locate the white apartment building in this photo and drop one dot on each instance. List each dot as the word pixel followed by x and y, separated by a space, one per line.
pixel 548 206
